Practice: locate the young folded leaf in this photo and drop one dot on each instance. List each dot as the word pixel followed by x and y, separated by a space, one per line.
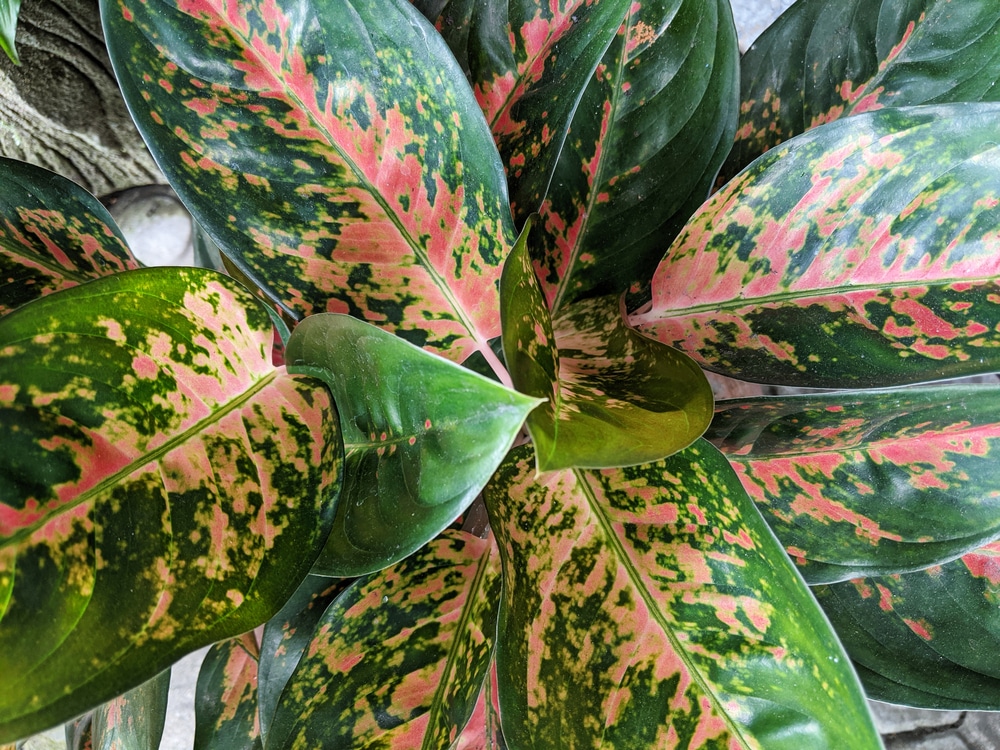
pixel 863 253
pixel 53 235
pixel 613 397
pixel 422 437
pixel 870 483
pixel 332 149
pixel 821 61
pixel 158 473
pixel 652 607
pixel 134 720
pixel 8 28
pixel 226 698
pixel 399 659
pixel 928 639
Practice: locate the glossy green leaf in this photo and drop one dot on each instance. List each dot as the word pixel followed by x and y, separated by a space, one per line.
pixel 646 140
pixel 422 436
pixel 929 639
pixel 53 235
pixel 824 60
pixel 225 701
pixel 134 720
pixel 870 483
pixel 8 28
pixel 862 253
pixel 613 397
pixel 651 606
pixel 399 659
pixel 286 636
pixel 333 150
pixel 162 485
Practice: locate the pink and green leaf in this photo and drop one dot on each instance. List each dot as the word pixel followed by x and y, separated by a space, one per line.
pixel 332 149
pixel 53 235
pixel 483 732
pixel 225 700
pixel 862 253
pixel 821 61
pixel 651 606
pixel 650 131
pixel 158 473
pixel 422 437
pixel 400 658
pixel 929 639
pixel 134 720
pixel 870 483
pixel 612 397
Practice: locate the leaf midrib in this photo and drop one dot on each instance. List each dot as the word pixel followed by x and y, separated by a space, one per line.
pixel 94 493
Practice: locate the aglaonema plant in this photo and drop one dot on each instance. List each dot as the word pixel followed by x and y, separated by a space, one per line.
pixel 480 496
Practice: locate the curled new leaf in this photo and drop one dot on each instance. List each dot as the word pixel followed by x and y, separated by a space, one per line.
pixel 929 639
pixel 134 720
pixel 399 659
pixel 870 483
pixel 651 606
pixel 53 235
pixel 422 436
pixel 862 253
pixel 334 151
pixel 158 473
pixel 821 61
pixel 226 698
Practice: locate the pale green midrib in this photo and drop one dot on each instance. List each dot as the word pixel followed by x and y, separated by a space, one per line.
pixel 435 709
pixel 98 489
pixel 623 559
pixel 368 187
pixel 654 315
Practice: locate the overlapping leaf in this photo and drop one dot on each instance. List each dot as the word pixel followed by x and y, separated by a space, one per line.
pixel 613 397
pixel 862 253
pixel 422 437
pixel 651 607
pixel 53 235
pixel 332 149
pixel 822 60
pixel 646 140
pixel 226 698
pixel 161 484
pixel 870 483
pixel 928 639
pixel 134 720
pixel 399 659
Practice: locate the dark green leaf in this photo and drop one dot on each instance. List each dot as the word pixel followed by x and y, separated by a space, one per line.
pixel 53 235
pixel 134 720
pixel 399 659
pixel 870 483
pixel 422 437
pixel 162 484
pixel 929 639
pixel 651 606
pixel 863 253
pixel 334 151
pixel 824 60
pixel 226 699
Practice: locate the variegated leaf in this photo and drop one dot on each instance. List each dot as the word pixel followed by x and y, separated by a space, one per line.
pixel 286 636
pixel 226 697
pixel 399 659
pixel 646 140
pixel 332 149
pixel 652 607
pixel 422 436
pixel 134 720
pixel 613 397
pixel 929 639
pixel 824 60
pixel 53 235
pixel 483 732
pixel 862 253
pixel 870 483
pixel 162 485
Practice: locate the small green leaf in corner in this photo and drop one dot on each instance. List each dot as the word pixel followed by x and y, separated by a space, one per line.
pixel 8 28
